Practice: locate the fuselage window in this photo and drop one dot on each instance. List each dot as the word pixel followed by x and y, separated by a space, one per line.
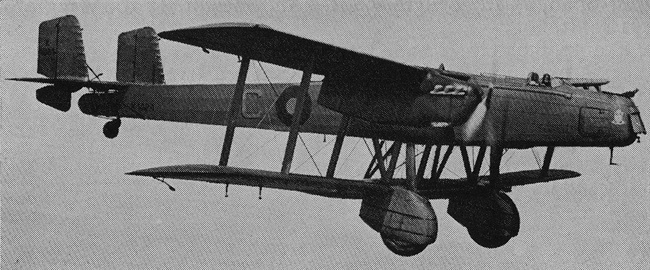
pixel 252 107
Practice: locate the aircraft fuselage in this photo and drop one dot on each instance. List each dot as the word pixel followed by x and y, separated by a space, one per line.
pixel 518 116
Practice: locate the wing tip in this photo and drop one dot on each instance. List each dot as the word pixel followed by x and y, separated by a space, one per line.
pixel 171 34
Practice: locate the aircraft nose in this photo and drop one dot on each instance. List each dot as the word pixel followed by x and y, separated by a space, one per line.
pixel 635 123
pixel 635 119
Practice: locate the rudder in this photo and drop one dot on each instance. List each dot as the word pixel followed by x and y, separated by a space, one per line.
pixel 138 57
pixel 60 49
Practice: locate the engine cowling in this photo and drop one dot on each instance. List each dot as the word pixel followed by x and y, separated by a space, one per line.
pixel 105 104
pixel 435 100
pixel 405 220
pixel 491 218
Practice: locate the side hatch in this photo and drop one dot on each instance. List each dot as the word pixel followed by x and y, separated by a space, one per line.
pixel 594 122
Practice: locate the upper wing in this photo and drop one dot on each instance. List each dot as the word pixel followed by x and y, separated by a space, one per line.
pixel 260 42
pixel 333 187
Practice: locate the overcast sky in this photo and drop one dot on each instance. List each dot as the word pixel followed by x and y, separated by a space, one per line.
pixel 67 204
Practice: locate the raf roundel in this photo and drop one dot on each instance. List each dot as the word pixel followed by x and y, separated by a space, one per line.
pixel 285 106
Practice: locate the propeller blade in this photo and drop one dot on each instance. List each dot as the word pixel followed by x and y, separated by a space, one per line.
pixel 476 119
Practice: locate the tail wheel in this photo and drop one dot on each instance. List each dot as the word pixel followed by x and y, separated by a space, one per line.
pixel 112 128
pixel 402 248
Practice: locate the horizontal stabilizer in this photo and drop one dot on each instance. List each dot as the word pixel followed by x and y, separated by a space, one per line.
pixel 74 83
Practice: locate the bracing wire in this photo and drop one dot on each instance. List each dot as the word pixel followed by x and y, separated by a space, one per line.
pixel 267 78
pixel 310 156
pixel 349 154
pixel 268 110
pixel 315 153
pixel 260 147
pixel 536 159
pixel 447 169
pixel 511 156
pixel 368 147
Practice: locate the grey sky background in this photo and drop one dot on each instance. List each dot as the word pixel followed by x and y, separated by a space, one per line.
pixel 67 204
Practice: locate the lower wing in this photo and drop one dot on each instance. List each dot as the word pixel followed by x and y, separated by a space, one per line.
pixel 333 187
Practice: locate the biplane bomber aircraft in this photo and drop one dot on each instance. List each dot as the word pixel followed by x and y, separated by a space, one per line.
pixel 361 96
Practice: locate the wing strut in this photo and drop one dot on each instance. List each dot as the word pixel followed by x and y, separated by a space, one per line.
pixel 547 161
pixel 411 175
pixel 295 125
pixel 424 160
pixel 473 173
pixel 439 167
pixel 235 110
pixel 477 164
pixel 340 136
pixel 397 147
pixel 378 158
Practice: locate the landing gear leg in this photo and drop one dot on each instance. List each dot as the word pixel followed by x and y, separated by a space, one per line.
pixel 496 153
pixel 112 128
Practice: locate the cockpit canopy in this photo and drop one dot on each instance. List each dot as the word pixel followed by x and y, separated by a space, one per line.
pixel 533 79
pixel 548 81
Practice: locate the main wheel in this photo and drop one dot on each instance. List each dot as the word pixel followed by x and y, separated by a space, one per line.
pixel 402 248
pixel 505 229
pixel 488 239
pixel 112 128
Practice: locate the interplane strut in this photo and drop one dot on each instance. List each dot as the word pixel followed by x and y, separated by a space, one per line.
pixel 297 115
pixel 340 136
pixel 235 108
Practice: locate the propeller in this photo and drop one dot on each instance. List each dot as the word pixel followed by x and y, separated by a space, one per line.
pixel 477 118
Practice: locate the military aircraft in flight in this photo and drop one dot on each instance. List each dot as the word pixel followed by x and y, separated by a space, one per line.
pixel 361 96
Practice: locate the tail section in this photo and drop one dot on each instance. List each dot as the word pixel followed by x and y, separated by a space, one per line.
pixel 61 50
pixel 138 57
pixel 62 60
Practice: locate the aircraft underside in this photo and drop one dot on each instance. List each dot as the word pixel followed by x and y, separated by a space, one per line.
pixel 398 208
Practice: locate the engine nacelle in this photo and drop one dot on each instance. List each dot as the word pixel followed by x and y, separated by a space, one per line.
pixel 106 104
pixel 434 101
pixel 402 217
